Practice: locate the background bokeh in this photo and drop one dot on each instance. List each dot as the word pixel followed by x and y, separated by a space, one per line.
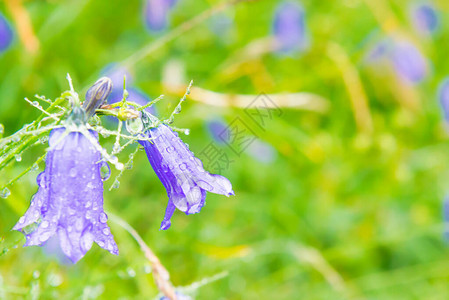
pixel 341 202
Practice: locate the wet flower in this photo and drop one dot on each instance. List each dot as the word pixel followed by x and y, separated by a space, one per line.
pixel 181 173
pixel 6 33
pixel 425 18
pixel 156 13
pixel 289 27
pixel 408 61
pixel 69 201
pixel 443 96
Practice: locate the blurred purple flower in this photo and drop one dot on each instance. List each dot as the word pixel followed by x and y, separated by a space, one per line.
pixel 218 130
pixel 443 95
pixel 181 173
pixel 262 151
pixel 425 18
pixel 289 27
pixel 408 61
pixel 69 201
pixel 156 14
pixel 6 33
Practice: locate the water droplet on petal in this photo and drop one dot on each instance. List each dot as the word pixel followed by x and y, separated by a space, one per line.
pixel 5 193
pixel 88 204
pixel 45 224
pixel 103 217
pixel 22 220
pixel 101 244
pixel 182 166
pixel 170 149
pixel 73 172
pixel 18 157
pixel 86 241
pixel 106 231
pixel 105 171
pixel 204 185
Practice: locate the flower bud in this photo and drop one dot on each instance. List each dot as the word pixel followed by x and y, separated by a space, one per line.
pixel 96 95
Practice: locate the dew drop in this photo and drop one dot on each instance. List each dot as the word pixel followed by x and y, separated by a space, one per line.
pixel 44 236
pixel 18 157
pixel 187 131
pixel 101 244
pixel 5 193
pixel 103 217
pixel 73 172
pixel 88 204
pixel 116 184
pixel 35 103
pixel 106 231
pixel 45 224
pixel 22 220
pixel 131 272
pixel 170 149
pixel 119 166
pixel 182 166
pixel 204 185
pixel 2 130
pixel 105 171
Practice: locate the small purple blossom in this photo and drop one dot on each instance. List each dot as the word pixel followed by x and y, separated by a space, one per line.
pixel 443 95
pixel 408 61
pixel 181 173
pixel 289 27
pixel 69 201
pixel 218 130
pixel 156 14
pixel 6 33
pixel 425 18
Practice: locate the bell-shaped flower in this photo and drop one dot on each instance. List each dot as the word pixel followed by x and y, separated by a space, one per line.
pixel 69 201
pixel 425 18
pixel 6 33
pixel 181 173
pixel 408 62
pixel 289 27
pixel 156 14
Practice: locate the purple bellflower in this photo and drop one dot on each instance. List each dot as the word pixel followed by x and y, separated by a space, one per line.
pixel 408 61
pixel 425 18
pixel 156 14
pixel 69 200
pixel 289 27
pixel 443 96
pixel 6 34
pixel 181 173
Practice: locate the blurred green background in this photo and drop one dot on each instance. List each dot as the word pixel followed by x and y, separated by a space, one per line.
pixel 344 209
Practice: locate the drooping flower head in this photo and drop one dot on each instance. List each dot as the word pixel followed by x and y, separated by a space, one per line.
pixel 408 61
pixel 425 18
pixel 289 27
pixel 69 200
pixel 181 173
pixel 6 33
pixel 443 95
pixel 156 14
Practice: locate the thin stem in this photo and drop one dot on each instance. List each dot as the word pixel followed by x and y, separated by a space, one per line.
pixel 160 273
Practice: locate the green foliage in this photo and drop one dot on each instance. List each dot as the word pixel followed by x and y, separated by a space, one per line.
pixel 341 213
